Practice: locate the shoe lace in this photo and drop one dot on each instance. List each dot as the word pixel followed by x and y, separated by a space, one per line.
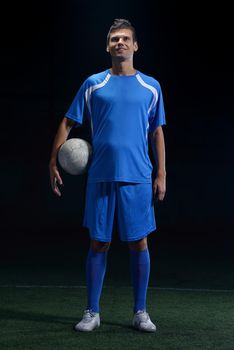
pixel 88 314
pixel 143 315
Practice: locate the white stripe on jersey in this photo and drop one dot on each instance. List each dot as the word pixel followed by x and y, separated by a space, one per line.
pixel 151 88
pixel 88 93
pixel 91 89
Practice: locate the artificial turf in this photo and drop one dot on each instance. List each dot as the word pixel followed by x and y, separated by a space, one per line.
pixel 43 318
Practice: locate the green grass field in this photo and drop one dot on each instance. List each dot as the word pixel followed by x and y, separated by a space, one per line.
pixel 191 300
pixel 43 317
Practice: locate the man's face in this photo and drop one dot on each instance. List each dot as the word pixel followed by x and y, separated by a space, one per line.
pixel 121 44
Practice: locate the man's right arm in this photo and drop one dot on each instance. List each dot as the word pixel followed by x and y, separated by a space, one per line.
pixel 61 136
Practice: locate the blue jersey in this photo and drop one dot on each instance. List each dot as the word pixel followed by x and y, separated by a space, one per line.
pixel 122 110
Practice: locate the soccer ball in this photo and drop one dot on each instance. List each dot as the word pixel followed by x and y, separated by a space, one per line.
pixel 74 156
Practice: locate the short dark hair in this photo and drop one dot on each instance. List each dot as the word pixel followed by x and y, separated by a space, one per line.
pixel 121 23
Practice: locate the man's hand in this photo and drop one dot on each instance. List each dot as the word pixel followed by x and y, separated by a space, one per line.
pixel 159 187
pixel 55 179
pixel 60 137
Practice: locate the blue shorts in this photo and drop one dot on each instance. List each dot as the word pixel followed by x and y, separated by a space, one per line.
pixel 132 203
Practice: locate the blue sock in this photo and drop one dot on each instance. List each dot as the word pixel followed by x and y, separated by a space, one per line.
pixel 140 270
pixel 95 272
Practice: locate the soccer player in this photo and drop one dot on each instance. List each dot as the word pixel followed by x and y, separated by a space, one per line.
pixel 125 109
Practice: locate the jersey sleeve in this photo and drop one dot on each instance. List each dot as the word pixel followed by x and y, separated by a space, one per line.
pixel 78 110
pixel 157 114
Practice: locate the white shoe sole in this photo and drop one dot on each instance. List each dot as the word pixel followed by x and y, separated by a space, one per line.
pixel 145 330
pixel 85 329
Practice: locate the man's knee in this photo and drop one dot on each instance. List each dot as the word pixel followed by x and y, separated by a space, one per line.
pixel 98 246
pixel 139 245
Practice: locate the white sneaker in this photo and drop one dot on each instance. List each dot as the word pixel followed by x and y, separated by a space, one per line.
pixel 142 322
pixel 89 322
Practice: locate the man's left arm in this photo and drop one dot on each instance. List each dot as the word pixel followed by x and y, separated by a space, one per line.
pixel 158 147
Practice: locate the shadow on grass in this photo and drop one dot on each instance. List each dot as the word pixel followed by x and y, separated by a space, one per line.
pixel 118 324
pixel 69 322
pixel 7 314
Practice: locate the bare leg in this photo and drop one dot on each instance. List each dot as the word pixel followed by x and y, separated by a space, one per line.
pixel 98 246
pixel 138 245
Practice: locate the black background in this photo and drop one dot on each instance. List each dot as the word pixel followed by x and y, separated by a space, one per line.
pixel 47 50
